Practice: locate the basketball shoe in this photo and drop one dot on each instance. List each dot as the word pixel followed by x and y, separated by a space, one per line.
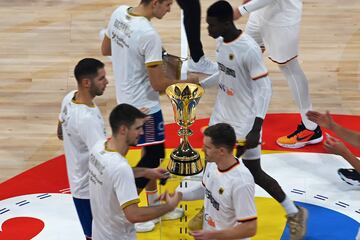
pixel 350 176
pixel 144 226
pixel 297 223
pixel 301 137
pixel 204 65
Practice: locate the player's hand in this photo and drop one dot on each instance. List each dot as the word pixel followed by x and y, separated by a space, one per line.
pixel 201 235
pixel 193 79
pixel 236 11
pixel 155 173
pixel 172 200
pixel 323 120
pixel 335 146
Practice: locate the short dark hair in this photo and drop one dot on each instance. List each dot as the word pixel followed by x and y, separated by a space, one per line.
pixel 87 68
pixel 221 10
pixel 124 114
pixel 222 135
pixel 147 2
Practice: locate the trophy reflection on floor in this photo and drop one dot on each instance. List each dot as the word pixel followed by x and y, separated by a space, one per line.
pixel 184 160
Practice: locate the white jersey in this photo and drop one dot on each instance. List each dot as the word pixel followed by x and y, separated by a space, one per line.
pixel 82 127
pixel 135 45
pixel 240 64
pixel 229 196
pixel 280 13
pixel 112 188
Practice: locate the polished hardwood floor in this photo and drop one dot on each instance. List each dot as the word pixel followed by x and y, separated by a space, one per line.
pixel 42 40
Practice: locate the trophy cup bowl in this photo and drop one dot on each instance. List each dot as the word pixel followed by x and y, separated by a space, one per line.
pixel 184 160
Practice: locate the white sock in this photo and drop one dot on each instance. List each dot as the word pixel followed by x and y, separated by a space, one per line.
pixel 151 197
pixel 289 206
pixel 298 84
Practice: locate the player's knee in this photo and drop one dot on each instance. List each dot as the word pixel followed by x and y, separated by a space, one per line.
pixel 153 156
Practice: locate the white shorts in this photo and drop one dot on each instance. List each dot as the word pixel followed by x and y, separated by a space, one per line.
pixel 241 132
pixel 281 42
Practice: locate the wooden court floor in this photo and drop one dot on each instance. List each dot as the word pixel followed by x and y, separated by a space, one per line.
pixel 42 40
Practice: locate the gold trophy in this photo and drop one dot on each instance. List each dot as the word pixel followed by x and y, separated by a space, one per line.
pixel 184 160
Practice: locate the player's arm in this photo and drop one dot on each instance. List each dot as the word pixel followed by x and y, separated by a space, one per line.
pixel 106 46
pixel 158 80
pixel 250 6
pixel 136 214
pixel 149 173
pixel 59 131
pixel 261 89
pixel 210 81
pixel 240 231
pixel 326 121
pixel 195 192
pixel 151 47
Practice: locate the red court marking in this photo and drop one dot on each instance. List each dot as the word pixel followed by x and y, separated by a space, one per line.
pixel 21 228
pixel 50 177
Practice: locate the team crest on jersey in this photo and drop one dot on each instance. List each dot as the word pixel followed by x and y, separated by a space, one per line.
pixel 231 56
pixel 221 190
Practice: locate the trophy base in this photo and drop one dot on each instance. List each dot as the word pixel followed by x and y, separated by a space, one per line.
pixel 185 167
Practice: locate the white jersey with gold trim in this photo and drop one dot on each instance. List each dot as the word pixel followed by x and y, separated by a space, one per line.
pixel 112 188
pixel 82 127
pixel 240 65
pixel 279 13
pixel 135 45
pixel 229 196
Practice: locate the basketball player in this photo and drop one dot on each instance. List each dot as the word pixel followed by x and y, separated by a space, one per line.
pixel 228 189
pixel 113 193
pixel 275 25
pixel 81 126
pixel 242 101
pixel 136 50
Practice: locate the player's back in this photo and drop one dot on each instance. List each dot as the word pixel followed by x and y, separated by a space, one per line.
pixel 131 38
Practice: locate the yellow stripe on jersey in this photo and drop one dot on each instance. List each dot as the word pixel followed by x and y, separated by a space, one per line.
pixel 260 76
pixel 153 64
pixel 131 202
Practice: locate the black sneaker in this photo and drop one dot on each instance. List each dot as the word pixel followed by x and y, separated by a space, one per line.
pixel 301 137
pixel 350 176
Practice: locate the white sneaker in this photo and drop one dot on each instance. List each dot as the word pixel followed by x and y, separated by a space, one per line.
pixel 204 65
pixel 144 226
pixel 173 215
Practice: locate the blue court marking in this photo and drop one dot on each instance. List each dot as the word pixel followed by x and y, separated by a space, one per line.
pixel 324 223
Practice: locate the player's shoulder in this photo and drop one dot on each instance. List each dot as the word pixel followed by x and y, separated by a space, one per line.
pixel 122 9
pixel 242 173
pixel 68 97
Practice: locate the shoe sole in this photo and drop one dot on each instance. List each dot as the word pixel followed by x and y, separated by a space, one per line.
pixel 301 144
pixel 349 181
